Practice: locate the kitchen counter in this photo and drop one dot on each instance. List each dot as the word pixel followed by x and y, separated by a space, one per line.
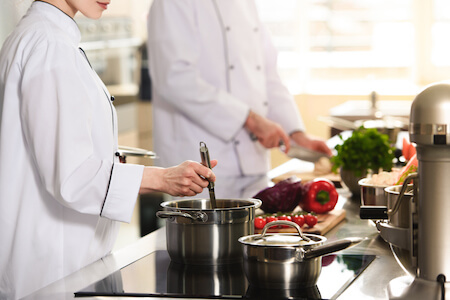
pixel 371 284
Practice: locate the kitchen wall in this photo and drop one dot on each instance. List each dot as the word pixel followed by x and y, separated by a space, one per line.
pixel 10 13
pixel 137 9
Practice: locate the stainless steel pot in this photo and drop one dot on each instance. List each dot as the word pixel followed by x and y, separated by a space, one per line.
pixel 197 234
pixel 372 194
pixel 287 260
pixel 401 228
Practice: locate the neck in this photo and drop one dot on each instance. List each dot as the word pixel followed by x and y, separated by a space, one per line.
pixel 63 6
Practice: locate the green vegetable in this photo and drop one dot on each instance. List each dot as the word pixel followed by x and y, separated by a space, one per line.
pixel 366 149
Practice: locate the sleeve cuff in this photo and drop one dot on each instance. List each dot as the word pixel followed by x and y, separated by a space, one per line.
pixel 122 192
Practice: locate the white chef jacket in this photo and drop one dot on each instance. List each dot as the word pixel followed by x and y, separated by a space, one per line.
pixel 62 189
pixel 211 61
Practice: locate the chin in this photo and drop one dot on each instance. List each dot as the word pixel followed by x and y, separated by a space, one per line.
pixel 93 15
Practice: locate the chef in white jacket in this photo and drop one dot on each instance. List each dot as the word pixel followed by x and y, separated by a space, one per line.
pixel 62 187
pixel 214 79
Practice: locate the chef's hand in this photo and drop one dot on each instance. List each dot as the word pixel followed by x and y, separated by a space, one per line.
pixel 268 133
pixel 302 139
pixel 186 179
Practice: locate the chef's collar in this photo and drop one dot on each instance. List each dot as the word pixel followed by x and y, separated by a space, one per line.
pixel 59 18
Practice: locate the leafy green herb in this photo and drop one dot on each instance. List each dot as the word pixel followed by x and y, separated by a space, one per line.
pixel 366 149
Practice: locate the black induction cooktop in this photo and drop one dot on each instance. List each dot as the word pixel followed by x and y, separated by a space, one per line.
pixel 155 275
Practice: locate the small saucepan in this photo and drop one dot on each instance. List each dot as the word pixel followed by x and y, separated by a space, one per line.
pixel 287 260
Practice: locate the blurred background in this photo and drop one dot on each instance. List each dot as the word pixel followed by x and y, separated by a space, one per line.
pixel 340 59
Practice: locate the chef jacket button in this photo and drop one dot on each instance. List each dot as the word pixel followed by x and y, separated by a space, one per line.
pixel 258 68
pixel 113 98
pixel 256 29
pixel 236 143
pixel 266 103
pixel 231 67
pixel 227 28
pixel 117 153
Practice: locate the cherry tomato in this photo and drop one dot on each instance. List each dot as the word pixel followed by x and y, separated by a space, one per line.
pixel 285 218
pixel 299 220
pixel 271 219
pixel 260 222
pixel 310 220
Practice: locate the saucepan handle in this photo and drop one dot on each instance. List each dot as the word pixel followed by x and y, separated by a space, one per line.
pixel 373 212
pixel 196 216
pixel 327 248
pixel 397 236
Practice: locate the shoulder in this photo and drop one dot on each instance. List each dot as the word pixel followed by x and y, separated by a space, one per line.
pixel 38 39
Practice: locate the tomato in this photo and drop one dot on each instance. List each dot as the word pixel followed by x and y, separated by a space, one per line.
pixel 285 218
pixel 310 220
pixel 271 219
pixel 299 220
pixel 260 222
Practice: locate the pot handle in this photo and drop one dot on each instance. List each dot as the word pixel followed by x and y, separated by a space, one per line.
pixel 397 236
pixel 195 216
pixel 412 176
pixel 302 254
pixel 373 212
pixel 288 223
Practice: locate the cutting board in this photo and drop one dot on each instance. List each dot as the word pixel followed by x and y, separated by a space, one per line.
pixel 325 223
pixel 308 176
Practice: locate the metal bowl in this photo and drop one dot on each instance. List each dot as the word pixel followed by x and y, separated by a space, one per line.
pixel 372 194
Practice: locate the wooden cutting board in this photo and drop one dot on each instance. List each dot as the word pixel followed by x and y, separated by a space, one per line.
pixel 308 176
pixel 325 223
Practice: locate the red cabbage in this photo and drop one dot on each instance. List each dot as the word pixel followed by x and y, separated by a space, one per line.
pixel 282 197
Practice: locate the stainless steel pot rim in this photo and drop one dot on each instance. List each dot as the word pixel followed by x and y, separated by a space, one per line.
pixel 395 190
pixel 241 204
pixel 363 182
pixel 282 240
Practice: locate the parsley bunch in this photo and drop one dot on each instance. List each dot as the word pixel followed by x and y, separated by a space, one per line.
pixel 366 149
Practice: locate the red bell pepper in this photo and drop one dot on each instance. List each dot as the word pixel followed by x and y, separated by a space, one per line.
pixel 319 196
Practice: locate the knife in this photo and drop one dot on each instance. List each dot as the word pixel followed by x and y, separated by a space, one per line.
pixel 204 153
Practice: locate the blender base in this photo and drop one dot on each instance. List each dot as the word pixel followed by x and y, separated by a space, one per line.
pixel 412 288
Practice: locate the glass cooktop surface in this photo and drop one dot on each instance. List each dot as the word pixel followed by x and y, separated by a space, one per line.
pixel 155 275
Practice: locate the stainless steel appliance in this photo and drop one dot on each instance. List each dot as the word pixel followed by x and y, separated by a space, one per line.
pixel 427 241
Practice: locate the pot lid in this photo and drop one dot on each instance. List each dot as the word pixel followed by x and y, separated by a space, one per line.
pixel 282 239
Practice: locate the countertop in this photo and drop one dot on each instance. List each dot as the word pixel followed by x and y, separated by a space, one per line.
pixel 371 284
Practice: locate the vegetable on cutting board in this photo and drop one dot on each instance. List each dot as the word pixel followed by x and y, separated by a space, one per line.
pixel 319 196
pixel 282 197
pixel 300 219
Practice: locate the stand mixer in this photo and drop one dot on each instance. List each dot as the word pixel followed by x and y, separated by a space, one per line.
pixel 429 232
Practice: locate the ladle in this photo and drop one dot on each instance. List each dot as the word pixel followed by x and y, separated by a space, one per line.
pixel 204 153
